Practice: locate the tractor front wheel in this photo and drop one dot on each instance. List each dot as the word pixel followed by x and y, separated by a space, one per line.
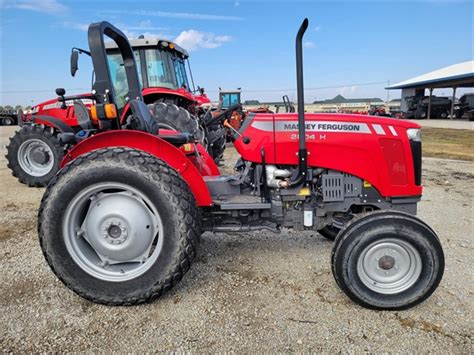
pixel 119 226
pixel 387 260
pixel 34 154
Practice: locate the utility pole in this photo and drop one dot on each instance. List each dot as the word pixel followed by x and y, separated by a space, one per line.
pixel 388 91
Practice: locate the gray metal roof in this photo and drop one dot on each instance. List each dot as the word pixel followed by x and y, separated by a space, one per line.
pixel 149 42
pixel 460 75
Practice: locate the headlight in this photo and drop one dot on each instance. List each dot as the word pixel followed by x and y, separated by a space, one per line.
pixel 414 134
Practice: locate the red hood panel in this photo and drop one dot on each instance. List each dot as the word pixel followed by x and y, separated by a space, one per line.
pixel 373 148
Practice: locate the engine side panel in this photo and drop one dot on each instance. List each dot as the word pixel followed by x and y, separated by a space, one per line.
pixel 376 150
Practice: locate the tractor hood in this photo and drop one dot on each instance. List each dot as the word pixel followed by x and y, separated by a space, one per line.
pixel 375 149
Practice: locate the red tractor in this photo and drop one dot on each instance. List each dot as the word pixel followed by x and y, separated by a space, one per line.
pixel 35 151
pixel 121 221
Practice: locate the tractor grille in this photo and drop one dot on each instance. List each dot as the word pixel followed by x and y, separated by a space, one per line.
pixel 337 186
pixel 333 187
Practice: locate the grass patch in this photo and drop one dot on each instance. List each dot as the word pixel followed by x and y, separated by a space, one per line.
pixel 448 143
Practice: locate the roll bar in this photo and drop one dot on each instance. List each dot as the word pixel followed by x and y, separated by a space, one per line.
pixel 103 82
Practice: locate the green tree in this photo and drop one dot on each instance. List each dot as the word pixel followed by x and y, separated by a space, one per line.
pixel 8 107
pixel 18 107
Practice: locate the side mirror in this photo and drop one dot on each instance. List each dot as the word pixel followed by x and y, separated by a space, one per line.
pixel 201 90
pixel 74 62
pixel 60 92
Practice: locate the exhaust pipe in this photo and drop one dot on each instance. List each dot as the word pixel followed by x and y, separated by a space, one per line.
pixel 302 152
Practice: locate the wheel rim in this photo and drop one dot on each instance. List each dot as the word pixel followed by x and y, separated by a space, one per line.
pixel 7 121
pixel 389 266
pixel 35 157
pixel 112 231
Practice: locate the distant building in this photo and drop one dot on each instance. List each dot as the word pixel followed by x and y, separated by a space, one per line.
pixel 341 104
pixel 251 103
pixel 393 105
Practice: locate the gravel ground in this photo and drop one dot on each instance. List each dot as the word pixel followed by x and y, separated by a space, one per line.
pixel 247 292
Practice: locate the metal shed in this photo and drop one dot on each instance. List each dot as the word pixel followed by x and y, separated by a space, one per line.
pixel 454 76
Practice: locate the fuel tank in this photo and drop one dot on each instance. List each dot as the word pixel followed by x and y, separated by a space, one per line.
pixel 375 149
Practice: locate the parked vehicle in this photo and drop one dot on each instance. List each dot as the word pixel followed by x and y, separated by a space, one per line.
pixel 35 151
pixel 120 223
pixel 418 107
pixel 465 107
pixel 10 117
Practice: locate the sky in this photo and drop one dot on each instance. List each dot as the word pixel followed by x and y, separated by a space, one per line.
pixel 352 48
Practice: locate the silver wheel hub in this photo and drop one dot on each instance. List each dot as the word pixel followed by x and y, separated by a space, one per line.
pixel 389 266
pixel 112 231
pixel 35 157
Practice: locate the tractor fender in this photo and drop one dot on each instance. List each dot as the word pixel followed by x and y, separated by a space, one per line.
pixel 53 121
pixel 153 145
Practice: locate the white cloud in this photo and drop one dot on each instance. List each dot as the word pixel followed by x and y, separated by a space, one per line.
pixel 177 15
pixel 76 26
pixel 317 28
pixel 193 40
pixel 349 90
pixel 46 6
pixel 308 44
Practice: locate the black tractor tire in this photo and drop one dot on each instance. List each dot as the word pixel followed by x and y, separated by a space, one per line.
pixel 170 116
pixel 46 141
pixel 7 121
pixel 329 232
pixel 216 139
pixel 406 245
pixel 443 115
pixel 165 192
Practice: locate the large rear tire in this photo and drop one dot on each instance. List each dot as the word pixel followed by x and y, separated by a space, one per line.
pixel 34 154
pixel 387 260
pixel 170 116
pixel 119 226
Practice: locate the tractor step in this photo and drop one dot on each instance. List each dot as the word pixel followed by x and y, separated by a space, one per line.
pixel 241 202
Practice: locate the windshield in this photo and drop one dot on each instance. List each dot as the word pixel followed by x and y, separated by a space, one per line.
pixel 165 69
pixel 229 99
pixel 119 77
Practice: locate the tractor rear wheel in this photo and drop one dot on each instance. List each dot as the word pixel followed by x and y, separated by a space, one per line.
pixel 170 116
pixel 387 260
pixel 34 154
pixel 119 226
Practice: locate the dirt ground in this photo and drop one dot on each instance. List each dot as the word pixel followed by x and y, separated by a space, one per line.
pixel 246 293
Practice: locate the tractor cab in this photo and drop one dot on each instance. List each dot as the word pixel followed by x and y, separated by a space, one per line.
pixel 161 66
pixel 228 98
pixel 117 86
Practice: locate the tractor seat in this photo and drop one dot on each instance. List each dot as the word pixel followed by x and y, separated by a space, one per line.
pixel 178 139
